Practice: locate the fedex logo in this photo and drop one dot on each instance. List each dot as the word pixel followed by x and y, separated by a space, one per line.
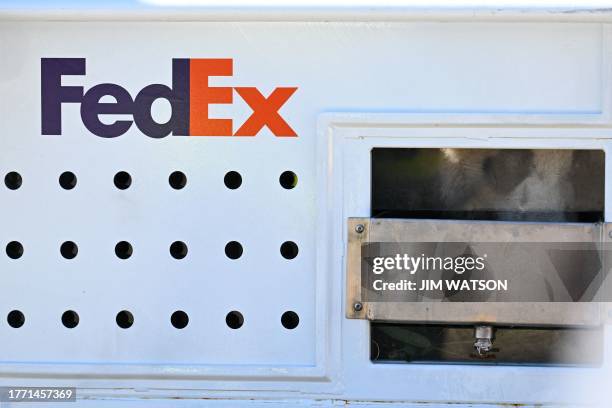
pixel 190 96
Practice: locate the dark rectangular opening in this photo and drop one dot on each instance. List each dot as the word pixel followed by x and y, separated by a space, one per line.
pixel 543 185
pixel 404 343
pixel 488 184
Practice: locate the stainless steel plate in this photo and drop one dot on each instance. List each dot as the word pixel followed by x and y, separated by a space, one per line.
pixel 364 230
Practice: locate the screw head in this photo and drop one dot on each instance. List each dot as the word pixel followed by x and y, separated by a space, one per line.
pixel 359 228
pixel 358 306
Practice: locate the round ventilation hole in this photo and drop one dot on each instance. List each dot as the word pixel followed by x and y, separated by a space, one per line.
pixel 177 180
pixel 124 319
pixel 70 319
pixel 123 180
pixel 233 250
pixel 288 179
pixel 234 320
pixel 289 250
pixel 68 180
pixel 290 320
pixel 14 250
pixel 178 250
pixel 12 180
pixel 232 180
pixel 69 250
pixel 15 319
pixel 123 250
pixel 179 319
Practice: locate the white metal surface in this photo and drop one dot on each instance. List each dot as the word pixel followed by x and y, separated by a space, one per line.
pixel 360 84
pixel 350 142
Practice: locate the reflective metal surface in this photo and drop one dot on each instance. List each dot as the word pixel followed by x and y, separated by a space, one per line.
pixel 515 313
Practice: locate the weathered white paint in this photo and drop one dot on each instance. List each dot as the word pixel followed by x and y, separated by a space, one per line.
pixel 532 78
